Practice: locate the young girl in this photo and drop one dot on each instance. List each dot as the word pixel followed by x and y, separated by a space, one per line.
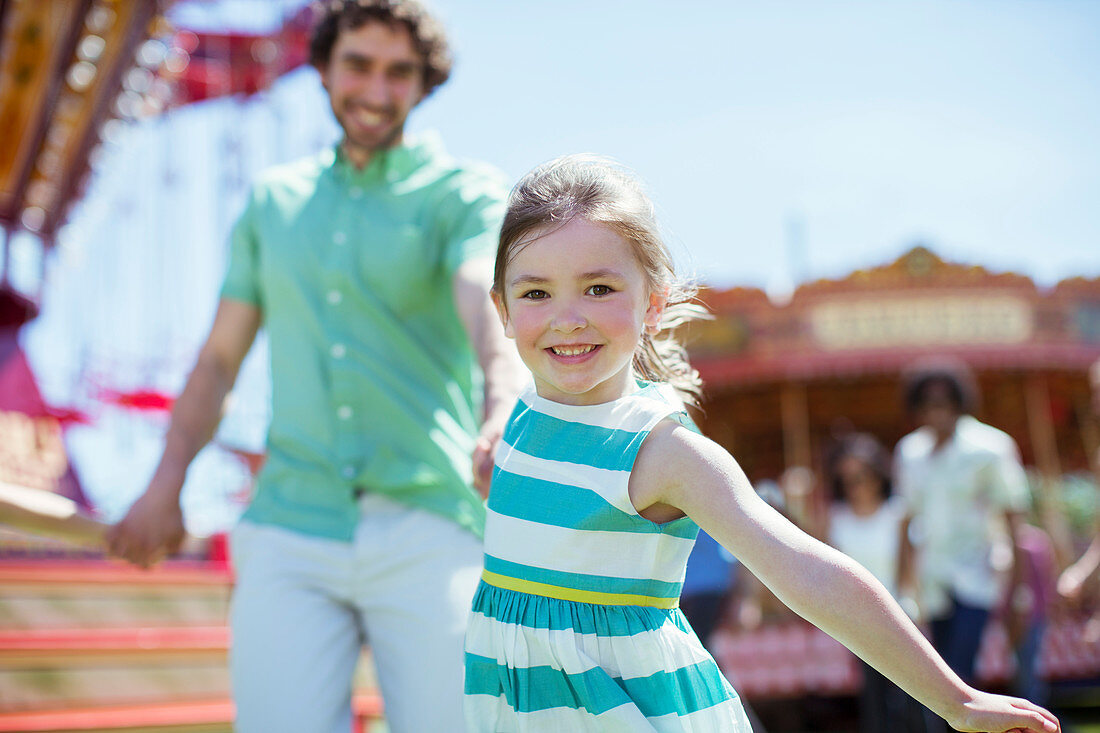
pixel 865 524
pixel 601 483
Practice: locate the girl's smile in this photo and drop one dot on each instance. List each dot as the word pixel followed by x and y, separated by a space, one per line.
pixel 573 353
pixel 576 302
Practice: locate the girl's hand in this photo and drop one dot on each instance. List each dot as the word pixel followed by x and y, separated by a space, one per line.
pixel 485 449
pixel 483 463
pixel 1001 714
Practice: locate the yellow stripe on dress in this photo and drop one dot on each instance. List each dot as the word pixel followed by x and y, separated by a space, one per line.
pixel 575 594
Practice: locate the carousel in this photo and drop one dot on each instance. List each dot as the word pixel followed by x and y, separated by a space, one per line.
pixel 784 380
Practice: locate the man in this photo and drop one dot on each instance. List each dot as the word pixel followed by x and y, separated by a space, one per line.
pixel 964 490
pixel 369 267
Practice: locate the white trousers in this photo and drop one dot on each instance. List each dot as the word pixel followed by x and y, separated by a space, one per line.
pixel 302 608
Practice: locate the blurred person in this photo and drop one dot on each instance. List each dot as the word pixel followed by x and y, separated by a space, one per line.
pixel 369 267
pixel 964 491
pixel 864 523
pixel 1026 612
pixel 1078 586
pixel 708 580
pixel 1078 583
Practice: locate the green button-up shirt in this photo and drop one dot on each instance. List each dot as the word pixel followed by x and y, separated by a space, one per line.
pixel 375 386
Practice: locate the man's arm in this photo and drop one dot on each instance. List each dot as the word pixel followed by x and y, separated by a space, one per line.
pixel 505 374
pixel 154 525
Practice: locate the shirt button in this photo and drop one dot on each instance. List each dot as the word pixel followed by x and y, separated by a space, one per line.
pixel 339 237
pixel 334 297
pixel 355 192
pixel 343 412
pixel 338 351
pixel 348 471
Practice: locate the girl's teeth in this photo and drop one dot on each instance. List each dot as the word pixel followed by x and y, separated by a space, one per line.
pixel 571 351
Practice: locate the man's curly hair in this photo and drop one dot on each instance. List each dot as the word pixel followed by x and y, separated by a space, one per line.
pixel 429 38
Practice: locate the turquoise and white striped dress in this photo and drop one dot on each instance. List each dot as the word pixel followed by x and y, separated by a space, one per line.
pixel 575 626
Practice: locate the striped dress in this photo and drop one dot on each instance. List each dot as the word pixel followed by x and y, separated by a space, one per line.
pixel 575 626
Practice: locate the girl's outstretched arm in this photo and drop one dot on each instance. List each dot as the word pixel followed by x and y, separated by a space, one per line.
pixel 681 469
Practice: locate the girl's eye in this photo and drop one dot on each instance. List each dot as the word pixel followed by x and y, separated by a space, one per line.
pixel 534 295
pixel 599 290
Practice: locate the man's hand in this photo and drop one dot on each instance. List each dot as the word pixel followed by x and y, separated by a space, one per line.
pixel 152 529
pixel 483 466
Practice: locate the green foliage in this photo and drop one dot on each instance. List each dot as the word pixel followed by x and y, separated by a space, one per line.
pixel 1078 499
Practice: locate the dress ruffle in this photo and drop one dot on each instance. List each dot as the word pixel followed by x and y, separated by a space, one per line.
pixel 543 664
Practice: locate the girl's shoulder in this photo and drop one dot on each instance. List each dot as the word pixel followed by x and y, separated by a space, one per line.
pixel 673 454
pixel 676 438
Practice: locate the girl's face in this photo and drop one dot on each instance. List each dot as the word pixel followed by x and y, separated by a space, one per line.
pixel 576 301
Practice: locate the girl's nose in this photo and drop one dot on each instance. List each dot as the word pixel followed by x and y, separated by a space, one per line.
pixel 567 319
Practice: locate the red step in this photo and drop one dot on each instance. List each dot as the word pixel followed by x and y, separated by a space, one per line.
pixel 100 572
pixel 174 716
pixel 51 647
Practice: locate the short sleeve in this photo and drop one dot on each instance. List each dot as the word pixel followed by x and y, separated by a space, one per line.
pixel 906 497
pixel 475 214
pixel 1007 480
pixel 242 275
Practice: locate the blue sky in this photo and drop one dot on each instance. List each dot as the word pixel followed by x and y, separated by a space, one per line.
pixel 862 127
pixel 796 139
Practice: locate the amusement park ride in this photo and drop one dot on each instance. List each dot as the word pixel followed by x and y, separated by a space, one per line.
pixel 781 379
pixel 71 72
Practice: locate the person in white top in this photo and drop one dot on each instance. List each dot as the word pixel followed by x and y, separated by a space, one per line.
pixel 964 490
pixel 1078 583
pixel 864 522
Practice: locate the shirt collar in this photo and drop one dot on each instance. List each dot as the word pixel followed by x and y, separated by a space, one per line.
pixel 391 164
pixel 962 426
